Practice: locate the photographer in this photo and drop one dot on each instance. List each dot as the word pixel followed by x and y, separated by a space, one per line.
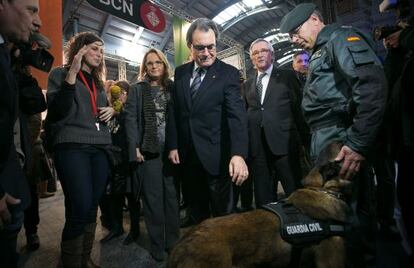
pixel 17 20
pixel 31 103
pixel 400 111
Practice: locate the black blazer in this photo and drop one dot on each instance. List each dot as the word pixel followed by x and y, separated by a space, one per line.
pixel 277 113
pixel 215 122
pixel 12 180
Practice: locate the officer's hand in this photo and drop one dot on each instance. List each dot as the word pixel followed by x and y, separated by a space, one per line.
pixel 174 157
pixel 393 40
pixel 5 216
pixel 351 162
pixel 238 170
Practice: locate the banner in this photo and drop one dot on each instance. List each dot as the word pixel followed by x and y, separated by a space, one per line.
pixel 140 12
pixel 182 52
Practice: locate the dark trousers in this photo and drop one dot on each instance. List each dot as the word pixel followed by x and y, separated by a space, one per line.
pixel 405 190
pixel 266 169
pixel 161 213
pixel 385 173
pixel 31 214
pixel 116 208
pixel 360 238
pixel 8 239
pixel 83 172
pixel 205 193
pixel 245 193
pixel 8 254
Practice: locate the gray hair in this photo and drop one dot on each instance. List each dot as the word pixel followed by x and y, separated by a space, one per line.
pixel 318 14
pixel 204 25
pixel 258 41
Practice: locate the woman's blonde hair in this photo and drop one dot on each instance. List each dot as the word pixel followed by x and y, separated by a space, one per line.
pixel 76 43
pixel 143 74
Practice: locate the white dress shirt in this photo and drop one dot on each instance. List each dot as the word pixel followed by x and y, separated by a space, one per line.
pixel 265 80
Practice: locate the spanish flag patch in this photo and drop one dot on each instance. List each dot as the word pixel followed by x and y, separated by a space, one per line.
pixel 353 38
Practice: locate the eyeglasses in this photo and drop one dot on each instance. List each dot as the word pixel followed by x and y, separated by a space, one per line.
pixel 257 52
pixel 155 63
pixel 295 31
pixel 201 48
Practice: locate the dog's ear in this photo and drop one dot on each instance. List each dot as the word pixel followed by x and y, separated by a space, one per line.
pixel 313 179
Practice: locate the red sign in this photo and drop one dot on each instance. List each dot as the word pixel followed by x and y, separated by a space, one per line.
pixel 140 12
pixel 152 17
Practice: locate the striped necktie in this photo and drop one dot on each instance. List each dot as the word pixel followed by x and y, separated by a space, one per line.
pixel 196 82
pixel 259 87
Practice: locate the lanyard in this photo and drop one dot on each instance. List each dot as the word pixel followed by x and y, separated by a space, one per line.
pixel 92 93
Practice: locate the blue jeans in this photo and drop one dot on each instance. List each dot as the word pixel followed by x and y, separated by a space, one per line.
pixel 83 171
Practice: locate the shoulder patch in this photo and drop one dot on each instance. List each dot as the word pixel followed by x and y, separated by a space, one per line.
pixel 353 38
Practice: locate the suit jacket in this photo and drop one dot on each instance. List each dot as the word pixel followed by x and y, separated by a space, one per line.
pixel 12 180
pixel 214 122
pixel 277 114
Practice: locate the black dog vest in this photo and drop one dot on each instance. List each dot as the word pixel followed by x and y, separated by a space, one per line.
pixel 301 230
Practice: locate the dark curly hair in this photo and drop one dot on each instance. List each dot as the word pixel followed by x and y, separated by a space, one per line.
pixel 76 43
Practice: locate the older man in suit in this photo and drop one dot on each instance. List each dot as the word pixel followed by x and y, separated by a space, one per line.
pixel 274 141
pixel 207 126
pixel 18 18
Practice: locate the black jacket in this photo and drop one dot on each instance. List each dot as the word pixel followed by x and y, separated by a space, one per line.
pixel 215 122
pixel 277 114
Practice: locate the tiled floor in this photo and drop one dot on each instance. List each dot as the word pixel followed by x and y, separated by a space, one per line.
pixel 112 254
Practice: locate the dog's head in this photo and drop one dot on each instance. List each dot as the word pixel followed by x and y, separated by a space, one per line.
pixel 325 174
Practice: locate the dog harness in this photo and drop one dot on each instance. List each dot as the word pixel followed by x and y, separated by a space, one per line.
pixel 301 230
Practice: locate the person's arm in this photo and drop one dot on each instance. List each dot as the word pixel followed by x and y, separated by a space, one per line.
pixel 237 122
pixel 31 98
pixel 171 138
pixel 133 124
pixel 60 95
pixel 365 77
pixel 361 69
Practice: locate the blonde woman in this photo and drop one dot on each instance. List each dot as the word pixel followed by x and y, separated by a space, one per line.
pixel 145 114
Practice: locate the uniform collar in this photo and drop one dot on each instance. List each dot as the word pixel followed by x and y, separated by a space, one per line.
pixel 325 34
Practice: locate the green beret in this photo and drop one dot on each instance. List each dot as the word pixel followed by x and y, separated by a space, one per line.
pixel 296 17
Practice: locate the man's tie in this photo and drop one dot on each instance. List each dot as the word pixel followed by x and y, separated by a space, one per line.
pixel 196 82
pixel 259 87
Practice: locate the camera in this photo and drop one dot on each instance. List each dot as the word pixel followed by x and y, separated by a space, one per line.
pixel 34 52
pixel 402 10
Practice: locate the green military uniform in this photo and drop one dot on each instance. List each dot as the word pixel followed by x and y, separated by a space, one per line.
pixel 344 100
pixel 345 94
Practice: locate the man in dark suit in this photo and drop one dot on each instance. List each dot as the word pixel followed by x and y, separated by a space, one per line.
pixel 274 142
pixel 207 126
pixel 18 18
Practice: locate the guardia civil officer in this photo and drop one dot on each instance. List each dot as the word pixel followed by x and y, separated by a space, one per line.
pixel 343 100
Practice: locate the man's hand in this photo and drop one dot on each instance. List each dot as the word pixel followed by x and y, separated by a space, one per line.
pixel 140 157
pixel 5 216
pixel 238 170
pixel 174 157
pixel 351 162
pixel 393 40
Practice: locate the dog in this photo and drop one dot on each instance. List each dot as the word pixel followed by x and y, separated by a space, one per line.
pixel 253 239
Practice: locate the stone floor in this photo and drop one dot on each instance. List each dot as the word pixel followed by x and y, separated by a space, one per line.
pixel 114 254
